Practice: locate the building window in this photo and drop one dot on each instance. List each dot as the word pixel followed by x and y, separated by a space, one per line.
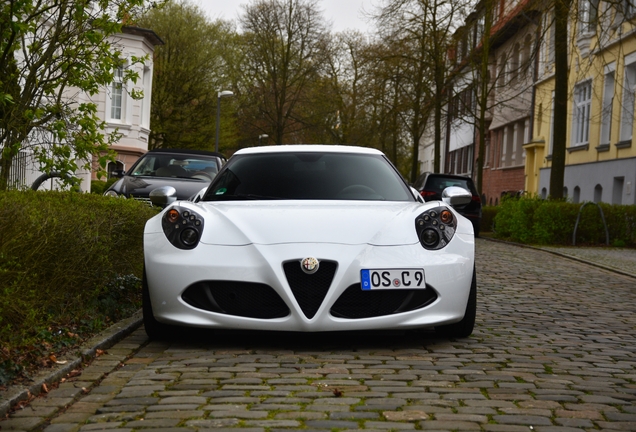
pixel 502 71
pixel 145 103
pixel 606 115
pixel 588 12
pixel 628 8
pixel 112 167
pixel 582 105
pixel 617 192
pixel 551 136
pixel 551 38
pixel 527 50
pixel 627 112
pixel 576 196
pixel 514 63
pixel 117 95
pixel 598 193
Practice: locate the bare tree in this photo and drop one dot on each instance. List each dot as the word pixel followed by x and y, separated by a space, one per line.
pixel 419 33
pixel 283 50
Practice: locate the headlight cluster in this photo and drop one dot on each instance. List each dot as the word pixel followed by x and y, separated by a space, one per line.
pixel 435 227
pixel 112 193
pixel 182 227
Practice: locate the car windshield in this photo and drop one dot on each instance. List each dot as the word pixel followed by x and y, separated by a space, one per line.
pixel 308 176
pixel 194 167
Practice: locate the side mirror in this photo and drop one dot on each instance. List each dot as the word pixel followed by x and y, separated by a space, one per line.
pixel 163 196
pixel 118 173
pixel 456 196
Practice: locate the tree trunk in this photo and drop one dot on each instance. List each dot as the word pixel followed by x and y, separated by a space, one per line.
pixel 557 172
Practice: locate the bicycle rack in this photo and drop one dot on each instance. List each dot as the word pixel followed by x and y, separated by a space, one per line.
pixel 578 218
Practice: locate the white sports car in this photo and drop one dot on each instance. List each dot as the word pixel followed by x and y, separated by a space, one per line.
pixel 309 238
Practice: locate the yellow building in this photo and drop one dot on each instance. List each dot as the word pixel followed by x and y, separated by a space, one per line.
pixel 600 157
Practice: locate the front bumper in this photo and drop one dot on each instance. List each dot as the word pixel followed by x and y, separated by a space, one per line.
pixel 170 272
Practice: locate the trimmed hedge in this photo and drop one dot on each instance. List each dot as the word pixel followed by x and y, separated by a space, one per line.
pixel 538 221
pixel 69 265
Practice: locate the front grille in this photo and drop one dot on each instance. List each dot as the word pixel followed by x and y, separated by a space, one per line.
pixel 310 289
pixel 356 303
pixel 143 200
pixel 245 299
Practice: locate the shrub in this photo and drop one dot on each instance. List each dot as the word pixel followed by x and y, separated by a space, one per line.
pixel 533 220
pixel 515 218
pixel 99 187
pixel 68 262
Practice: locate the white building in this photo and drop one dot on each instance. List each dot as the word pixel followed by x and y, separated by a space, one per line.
pixel 130 117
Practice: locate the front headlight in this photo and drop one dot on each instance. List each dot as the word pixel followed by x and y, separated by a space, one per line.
pixel 111 193
pixel 182 227
pixel 435 228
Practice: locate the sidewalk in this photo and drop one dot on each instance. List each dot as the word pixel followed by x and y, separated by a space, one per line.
pixel 622 260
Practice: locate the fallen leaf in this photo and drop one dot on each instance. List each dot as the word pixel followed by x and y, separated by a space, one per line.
pixel 52 358
pixel 99 352
pixel 84 390
pixel 337 392
pixel 73 373
pixel 61 361
pixel 45 389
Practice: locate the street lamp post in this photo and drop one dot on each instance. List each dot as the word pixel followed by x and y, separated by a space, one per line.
pixel 260 138
pixel 224 93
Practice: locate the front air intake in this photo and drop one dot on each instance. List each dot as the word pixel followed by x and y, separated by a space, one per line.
pixel 310 289
pixel 356 303
pixel 244 299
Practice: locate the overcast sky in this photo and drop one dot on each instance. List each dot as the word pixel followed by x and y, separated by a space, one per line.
pixel 343 14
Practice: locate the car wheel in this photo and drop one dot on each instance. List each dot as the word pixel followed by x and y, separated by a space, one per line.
pixel 463 328
pixel 154 329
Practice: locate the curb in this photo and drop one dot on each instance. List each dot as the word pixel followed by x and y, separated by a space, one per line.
pixel 571 257
pixel 104 340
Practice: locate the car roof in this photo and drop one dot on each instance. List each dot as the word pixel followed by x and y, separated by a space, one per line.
pixel 186 151
pixel 321 148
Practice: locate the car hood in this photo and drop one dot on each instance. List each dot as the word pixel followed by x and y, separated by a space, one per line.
pixel 140 187
pixel 310 222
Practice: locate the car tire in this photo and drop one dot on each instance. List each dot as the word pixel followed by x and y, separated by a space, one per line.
pixel 154 329
pixel 463 328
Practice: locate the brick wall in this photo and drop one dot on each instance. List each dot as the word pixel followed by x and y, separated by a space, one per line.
pixel 499 180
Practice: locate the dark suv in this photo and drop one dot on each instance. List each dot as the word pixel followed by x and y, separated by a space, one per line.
pixel 431 185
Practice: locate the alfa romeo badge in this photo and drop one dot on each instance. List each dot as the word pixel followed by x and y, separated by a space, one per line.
pixel 310 265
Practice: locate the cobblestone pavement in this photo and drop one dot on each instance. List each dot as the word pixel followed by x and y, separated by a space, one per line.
pixel 554 350
pixel 617 258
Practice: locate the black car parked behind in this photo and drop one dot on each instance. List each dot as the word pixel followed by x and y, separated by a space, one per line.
pixel 430 186
pixel 188 171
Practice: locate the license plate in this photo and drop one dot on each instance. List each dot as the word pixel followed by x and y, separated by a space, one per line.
pixel 392 279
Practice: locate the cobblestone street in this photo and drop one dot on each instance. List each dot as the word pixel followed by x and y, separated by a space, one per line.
pixel 554 350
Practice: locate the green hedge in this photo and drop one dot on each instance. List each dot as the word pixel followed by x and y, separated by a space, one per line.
pixel 69 264
pixel 99 187
pixel 537 221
